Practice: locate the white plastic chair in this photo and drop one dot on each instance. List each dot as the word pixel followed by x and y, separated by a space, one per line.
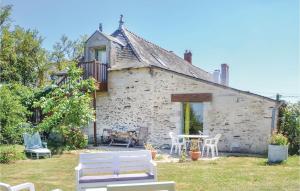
pixel 200 141
pixel 25 186
pixel 176 144
pixel 211 144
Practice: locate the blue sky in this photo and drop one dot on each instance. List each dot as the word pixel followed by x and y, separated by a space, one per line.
pixel 259 39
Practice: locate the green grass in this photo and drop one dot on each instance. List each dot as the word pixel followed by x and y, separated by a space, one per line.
pixel 229 173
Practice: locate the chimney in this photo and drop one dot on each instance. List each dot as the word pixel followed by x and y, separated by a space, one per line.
pixel 216 76
pixel 188 56
pixel 224 74
pixel 100 27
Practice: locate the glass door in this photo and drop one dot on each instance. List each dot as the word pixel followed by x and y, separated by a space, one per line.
pixel 192 118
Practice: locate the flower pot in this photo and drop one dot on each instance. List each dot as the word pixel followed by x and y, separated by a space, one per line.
pixel 194 155
pixel 277 153
pixel 153 153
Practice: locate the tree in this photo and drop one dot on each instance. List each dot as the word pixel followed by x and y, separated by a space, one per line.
pixel 13 112
pixel 289 125
pixel 68 105
pixel 66 51
pixel 5 12
pixel 20 56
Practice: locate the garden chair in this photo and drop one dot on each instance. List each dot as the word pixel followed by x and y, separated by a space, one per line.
pixel 176 144
pixel 149 186
pixel 211 144
pixel 200 141
pixel 25 186
pixel 34 146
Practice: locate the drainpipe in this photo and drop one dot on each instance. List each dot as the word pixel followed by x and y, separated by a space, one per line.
pixel 95 122
pixel 278 105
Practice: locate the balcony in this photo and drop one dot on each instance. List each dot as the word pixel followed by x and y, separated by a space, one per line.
pixel 93 69
pixel 96 70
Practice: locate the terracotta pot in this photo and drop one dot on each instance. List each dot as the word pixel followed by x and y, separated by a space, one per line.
pixel 153 153
pixel 194 155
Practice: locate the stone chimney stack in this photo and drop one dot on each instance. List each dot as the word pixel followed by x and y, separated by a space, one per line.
pixel 216 76
pixel 224 74
pixel 188 56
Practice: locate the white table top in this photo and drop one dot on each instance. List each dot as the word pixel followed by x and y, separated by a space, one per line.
pixel 95 189
pixel 193 136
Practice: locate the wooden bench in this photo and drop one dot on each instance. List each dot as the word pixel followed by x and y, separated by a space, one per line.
pixel 97 170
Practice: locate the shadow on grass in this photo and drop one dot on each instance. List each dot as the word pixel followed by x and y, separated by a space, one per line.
pixel 268 163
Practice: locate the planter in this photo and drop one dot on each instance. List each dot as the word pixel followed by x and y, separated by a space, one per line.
pixel 194 155
pixel 153 153
pixel 277 153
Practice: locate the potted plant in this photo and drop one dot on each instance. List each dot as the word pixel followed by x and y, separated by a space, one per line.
pixel 278 148
pixel 152 149
pixel 194 150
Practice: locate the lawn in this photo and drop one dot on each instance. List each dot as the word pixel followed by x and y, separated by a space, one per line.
pixel 228 173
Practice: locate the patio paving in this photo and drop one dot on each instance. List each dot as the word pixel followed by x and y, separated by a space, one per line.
pixel 163 155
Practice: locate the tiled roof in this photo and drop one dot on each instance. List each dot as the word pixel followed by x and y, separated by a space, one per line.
pixel 139 52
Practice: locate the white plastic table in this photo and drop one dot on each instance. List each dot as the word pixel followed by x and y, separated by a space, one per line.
pixel 193 136
pixel 199 137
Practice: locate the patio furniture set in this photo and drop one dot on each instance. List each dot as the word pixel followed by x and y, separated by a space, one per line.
pixel 182 142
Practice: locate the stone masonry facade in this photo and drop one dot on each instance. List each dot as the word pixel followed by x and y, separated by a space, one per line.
pixel 142 97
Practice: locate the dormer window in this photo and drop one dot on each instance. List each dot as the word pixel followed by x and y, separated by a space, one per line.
pixel 100 55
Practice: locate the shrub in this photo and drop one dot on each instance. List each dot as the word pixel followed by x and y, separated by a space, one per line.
pixel 194 146
pixel 149 147
pixel 10 153
pixel 74 138
pixel 289 125
pixel 279 139
pixel 56 143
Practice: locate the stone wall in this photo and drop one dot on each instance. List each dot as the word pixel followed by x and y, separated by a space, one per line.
pixel 142 97
pixel 243 120
pixel 128 102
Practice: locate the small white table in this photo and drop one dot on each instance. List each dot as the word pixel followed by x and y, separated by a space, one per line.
pixel 199 137
pixel 193 136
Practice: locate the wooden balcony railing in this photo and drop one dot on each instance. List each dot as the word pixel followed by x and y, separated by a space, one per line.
pixel 93 69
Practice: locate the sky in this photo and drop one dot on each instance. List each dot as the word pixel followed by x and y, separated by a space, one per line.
pixel 258 39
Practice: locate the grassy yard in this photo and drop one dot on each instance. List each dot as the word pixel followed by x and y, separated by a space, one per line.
pixel 229 173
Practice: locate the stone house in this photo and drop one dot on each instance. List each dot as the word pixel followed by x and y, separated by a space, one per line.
pixel 146 85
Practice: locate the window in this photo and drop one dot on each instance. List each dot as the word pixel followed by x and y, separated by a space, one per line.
pixel 192 118
pixel 100 55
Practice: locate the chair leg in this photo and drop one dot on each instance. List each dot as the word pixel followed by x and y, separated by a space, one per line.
pixel 212 151
pixel 217 152
pixel 207 151
pixel 202 151
pixel 171 149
